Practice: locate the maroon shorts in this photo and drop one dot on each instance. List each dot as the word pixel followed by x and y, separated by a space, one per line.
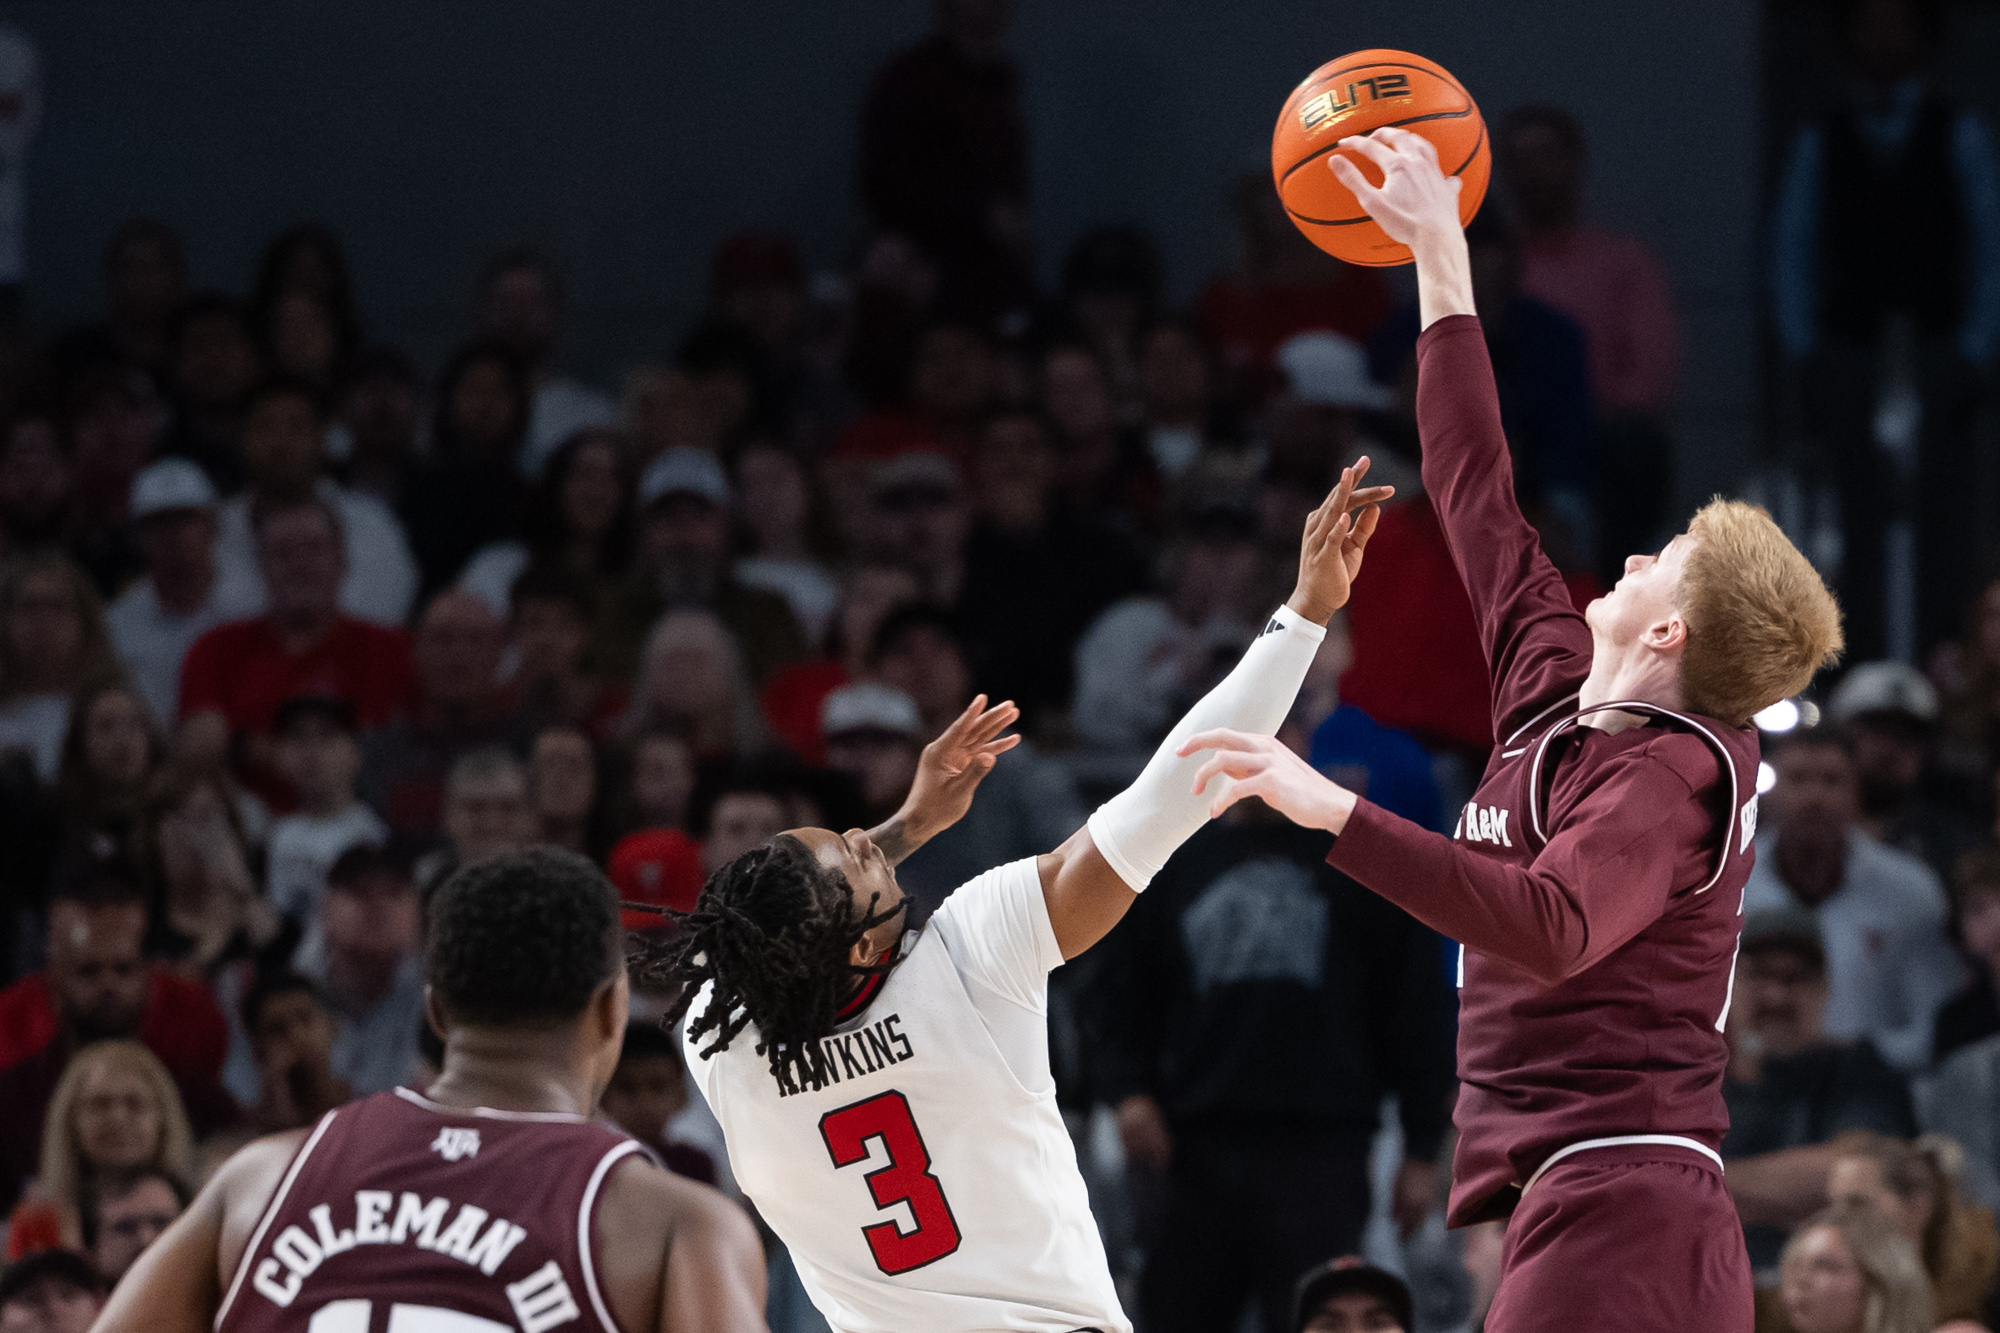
pixel 1641 1239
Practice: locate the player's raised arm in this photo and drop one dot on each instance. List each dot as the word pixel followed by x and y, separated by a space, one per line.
pixel 1089 882
pixel 1537 646
pixel 948 773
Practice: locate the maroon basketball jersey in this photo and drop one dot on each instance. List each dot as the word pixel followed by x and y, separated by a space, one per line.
pixel 399 1215
pixel 1595 878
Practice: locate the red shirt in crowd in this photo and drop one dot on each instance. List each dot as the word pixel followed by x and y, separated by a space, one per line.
pixel 1247 320
pixel 242 671
pixel 1595 879
pixel 181 1025
pixel 793 700
pixel 1418 664
pixel 1616 290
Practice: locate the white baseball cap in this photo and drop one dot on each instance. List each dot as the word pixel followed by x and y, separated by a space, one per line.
pixel 1884 687
pixel 171 483
pixel 1328 369
pixel 684 471
pixel 870 706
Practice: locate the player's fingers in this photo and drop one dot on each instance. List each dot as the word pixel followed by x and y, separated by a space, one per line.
pixel 992 722
pixel 1343 490
pixel 1350 175
pixel 1369 495
pixel 1319 527
pixel 1001 746
pixel 1222 738
pixel 961 723
pixel 1364 525
pixel 1327 515
pixel 1317 520
pixel 1224 765
pixel 1228 792
pixel 1371 146
pixel 1408 141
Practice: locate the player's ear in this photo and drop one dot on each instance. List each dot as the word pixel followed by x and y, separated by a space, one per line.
pixel 611 1007
pixel 434 1013
pixel 1667 636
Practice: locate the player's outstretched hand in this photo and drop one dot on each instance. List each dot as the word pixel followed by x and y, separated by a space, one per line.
pixel 1336 535
pixel 954 764
pixel 1263 766
pixel 1415 195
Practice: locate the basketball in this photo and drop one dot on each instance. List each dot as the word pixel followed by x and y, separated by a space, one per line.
pixel 1357 94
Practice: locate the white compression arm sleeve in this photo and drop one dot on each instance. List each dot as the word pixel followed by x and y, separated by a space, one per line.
pixel 1140 827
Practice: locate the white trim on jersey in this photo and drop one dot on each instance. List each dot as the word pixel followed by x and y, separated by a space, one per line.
pixel 585 1256
pixel 490 1113
pixel 271 1212
pixel 1515 735
pixel 1634 706
pixel 1622 1141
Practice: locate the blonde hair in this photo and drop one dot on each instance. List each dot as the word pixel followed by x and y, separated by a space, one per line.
pixel 1957 1242
pixel 64 1174
pixel 1760 621
pixel 1898 1290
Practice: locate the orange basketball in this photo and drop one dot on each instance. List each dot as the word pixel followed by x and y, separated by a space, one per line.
pixel 1354 95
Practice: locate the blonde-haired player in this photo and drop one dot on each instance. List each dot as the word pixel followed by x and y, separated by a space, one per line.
pixel 1596 877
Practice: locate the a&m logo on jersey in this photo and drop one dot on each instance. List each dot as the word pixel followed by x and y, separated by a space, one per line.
pixel 1749 822
pixel 455 1145
pixel 1483 823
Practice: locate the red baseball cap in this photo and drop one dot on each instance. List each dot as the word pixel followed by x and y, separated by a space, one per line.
pixel 659 866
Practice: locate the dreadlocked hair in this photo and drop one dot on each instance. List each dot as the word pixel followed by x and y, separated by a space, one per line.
pixel 771 934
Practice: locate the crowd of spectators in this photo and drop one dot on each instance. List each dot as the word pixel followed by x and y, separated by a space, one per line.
pixel 291 627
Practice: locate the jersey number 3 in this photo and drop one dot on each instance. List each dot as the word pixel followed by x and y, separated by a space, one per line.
pixel 906 1179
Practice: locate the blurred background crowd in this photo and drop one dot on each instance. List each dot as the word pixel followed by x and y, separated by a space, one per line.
pixel 293 623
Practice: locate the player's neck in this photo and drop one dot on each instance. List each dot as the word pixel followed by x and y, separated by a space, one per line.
pixel 508 1069
pixel 1631 673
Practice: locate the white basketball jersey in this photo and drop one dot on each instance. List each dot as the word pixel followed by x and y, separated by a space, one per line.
pixel 927 1185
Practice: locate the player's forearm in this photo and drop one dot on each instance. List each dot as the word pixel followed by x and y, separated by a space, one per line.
pixel 1138 829
pixel 901 834
pixel 1444 275
pixel 1502 911
pixel 1536 644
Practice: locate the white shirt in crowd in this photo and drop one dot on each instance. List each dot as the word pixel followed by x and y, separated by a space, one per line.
pixel 152 641
pixel 303 849
pixel 35 723
pixel 20 117
pixel 489 575
pixel 381 573
pixel 1889 965
pixel 939 1100
pixel 563 407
